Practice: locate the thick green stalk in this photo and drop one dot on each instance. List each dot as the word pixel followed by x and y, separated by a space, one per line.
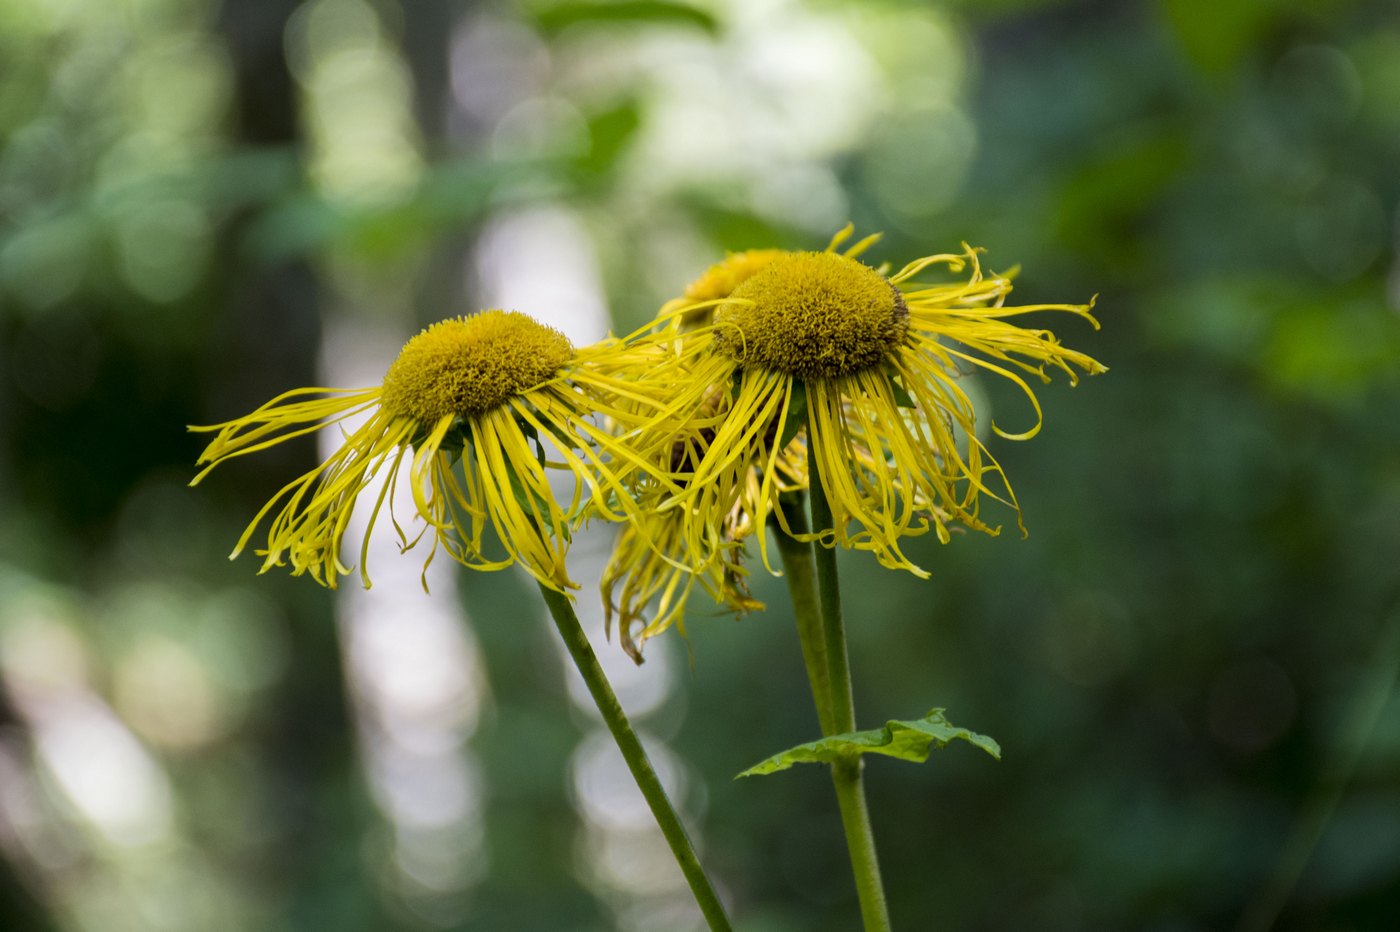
pixel 562 611
pixel 860 841
pixel 800 572
pixel 850 788
pixel 833 621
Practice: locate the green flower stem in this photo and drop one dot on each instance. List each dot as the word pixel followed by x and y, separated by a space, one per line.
pixel 562 611
pixel 800 573
pixel 833 621
pixel 860 841
pixel 850 788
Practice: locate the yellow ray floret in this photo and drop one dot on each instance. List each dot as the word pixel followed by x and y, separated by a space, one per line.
pixel 655 567
pixel 477 409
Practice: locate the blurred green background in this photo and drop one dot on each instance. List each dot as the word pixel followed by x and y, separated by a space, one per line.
pixel 1189 662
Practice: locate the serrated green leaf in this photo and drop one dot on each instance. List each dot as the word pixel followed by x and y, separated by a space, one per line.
pixel 906 740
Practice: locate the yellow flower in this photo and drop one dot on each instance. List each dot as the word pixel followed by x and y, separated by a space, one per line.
pixel 646 567
pixel 481 402
pixel 875 364
pixel 653 560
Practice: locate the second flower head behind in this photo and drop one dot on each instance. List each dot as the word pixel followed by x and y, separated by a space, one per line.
pixel 477 409
pixel 872 366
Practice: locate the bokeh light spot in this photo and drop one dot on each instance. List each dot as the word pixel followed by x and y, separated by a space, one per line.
pixel 1252 704
pixel 918 161
pixel 162 248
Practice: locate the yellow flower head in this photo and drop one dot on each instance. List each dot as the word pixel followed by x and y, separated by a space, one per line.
pixel 647 566
pixel 719 281
pixel 654 562
pixel 476 406
pixel 470 366
pixel 875 362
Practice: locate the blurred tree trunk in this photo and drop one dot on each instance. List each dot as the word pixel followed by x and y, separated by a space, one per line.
pixel 21 906
pixel 267 342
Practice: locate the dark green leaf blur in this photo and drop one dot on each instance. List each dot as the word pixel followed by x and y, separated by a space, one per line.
pixel 1189 662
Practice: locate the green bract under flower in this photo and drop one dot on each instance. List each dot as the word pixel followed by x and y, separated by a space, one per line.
pixel 812 315
pixel 471 365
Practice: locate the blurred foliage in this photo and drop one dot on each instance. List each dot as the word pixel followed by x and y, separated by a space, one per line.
pixel 553 18
pixel 1180 662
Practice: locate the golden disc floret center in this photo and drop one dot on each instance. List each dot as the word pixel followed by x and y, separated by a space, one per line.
pixel 813 315
pixel 471 365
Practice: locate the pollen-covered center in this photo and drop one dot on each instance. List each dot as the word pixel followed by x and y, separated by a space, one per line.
pixel 470 365
pixel 813 315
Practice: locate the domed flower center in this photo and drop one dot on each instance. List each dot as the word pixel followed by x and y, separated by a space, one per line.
pixel 813 315
pixel 471 365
